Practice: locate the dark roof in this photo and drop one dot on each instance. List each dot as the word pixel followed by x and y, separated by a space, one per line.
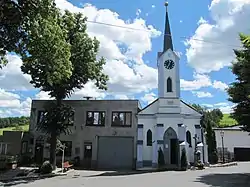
pixel 168 43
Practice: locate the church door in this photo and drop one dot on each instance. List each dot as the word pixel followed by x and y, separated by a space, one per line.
pixel 174 151
pixel 171 147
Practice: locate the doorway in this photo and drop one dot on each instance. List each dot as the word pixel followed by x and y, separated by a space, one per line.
pixel 171 147
pixel 174 151
pixel 87 154
pixel 38 153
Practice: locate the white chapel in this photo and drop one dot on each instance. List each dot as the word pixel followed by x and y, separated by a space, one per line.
pixel 168 122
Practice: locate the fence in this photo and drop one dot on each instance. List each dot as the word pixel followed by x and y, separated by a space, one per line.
pixel 228 156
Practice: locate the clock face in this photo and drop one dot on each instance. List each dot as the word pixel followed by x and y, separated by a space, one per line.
pixel 169 64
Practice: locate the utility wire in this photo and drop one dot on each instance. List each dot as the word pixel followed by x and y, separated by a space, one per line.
pixel 183 37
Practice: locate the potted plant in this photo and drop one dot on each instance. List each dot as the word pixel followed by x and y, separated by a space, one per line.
pixel 200 165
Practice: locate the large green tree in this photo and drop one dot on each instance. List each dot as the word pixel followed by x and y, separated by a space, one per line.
pixel 61 58
pixel 239 91
pixel 16 17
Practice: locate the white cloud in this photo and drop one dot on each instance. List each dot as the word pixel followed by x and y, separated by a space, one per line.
pixel 11 76
pixel 8 99
pixel 122 97
pixel 201 21
pixel 148 98
pixel 220 85
pixel 207 105
pixel 221 104
pixel 201 94
pixel 122 48
pixel 229 18
pixel 126 69
pixel 226 108
pixel 12 105
pixel 200 80
pixel 42 96
pixel 88 91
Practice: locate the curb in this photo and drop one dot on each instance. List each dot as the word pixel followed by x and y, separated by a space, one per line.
pixel 224 165
pixel 33 177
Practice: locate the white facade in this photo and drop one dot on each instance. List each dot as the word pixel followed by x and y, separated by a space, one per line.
pixel 233 137
pixel 150 119
pixel 168 122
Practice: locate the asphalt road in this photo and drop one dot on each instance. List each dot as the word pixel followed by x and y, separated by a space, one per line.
pixel 234 176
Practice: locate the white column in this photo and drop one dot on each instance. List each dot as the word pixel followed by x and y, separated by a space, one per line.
pixel 182 132
pixel 139 162
pixel 198 132
pixel 155 151
pixel 158 142
pixel 200 149
pixel 205 154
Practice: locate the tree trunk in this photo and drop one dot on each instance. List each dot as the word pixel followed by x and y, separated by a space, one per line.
pixel 53 139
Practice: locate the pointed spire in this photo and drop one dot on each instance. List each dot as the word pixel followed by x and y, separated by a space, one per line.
pixel 168 44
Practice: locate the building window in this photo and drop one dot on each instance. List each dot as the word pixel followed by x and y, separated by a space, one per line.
pixel 122 119
pixel 169 85
pixel 3 149
pixel 189 138
pixel 71 120
pixel 149 138
pixel 40 116
pixel 95 118
pixel 67 150
pixel 24 147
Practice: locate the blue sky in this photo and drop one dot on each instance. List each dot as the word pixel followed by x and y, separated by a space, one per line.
pixel 197 28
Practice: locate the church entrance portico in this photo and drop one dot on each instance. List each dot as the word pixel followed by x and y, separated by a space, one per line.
pixel 171 147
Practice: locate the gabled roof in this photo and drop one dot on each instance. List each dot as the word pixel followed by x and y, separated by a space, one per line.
pixel 190 106
pixel 149 104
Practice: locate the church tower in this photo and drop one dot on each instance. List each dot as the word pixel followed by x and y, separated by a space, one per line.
pixel 168 66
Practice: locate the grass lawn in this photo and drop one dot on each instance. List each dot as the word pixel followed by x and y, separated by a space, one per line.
pixel 227 121
pixel 24 128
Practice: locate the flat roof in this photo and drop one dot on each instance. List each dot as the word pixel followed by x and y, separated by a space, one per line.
pixel 236 127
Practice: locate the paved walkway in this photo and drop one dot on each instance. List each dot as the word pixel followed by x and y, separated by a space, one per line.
pixel 234 176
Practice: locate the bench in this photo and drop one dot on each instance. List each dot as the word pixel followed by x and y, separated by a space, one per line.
pixel 66 166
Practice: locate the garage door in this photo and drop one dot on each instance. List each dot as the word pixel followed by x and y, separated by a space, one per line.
pixel 115 152
pixel 241 154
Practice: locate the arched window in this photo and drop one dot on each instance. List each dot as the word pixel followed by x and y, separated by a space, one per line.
pixel 169 85
pixel 189 138
pixel 149 138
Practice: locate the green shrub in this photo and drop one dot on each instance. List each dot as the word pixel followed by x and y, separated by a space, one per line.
pixel 161 160
pixel 184 163
pixel 46 168
pixel 200 165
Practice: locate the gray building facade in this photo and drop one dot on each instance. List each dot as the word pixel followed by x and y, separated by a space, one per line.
pixel 103 134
